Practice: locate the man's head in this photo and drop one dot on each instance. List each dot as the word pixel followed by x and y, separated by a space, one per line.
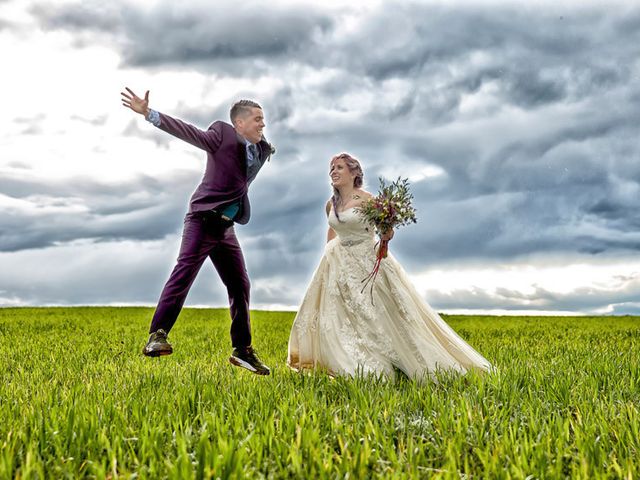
pixel 248 119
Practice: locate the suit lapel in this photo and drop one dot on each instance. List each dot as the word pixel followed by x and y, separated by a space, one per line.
pixel 242 154
pixel 265 150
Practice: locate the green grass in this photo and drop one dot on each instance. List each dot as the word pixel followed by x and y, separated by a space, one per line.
pixel 77 399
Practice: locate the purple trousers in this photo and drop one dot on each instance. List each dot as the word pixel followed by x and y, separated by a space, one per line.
pixel 204 237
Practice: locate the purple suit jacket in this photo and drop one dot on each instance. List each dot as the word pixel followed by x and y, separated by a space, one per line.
pixel 225 176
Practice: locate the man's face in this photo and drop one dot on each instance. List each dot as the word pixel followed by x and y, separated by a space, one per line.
pixel 251 124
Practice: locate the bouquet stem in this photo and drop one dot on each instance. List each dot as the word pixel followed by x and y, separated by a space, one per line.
pixel 383 250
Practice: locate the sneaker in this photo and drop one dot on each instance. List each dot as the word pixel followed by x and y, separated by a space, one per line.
pixel 248 358
pixel 157 345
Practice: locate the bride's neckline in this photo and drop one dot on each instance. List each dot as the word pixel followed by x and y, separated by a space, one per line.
pixel 342 211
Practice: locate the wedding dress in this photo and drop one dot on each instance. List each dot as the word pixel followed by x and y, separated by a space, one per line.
pixel 339 329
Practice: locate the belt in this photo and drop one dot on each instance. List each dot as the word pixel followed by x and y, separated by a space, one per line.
pixel 351 243
pixel 215 216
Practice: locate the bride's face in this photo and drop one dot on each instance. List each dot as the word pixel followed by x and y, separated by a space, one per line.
pixel 340 174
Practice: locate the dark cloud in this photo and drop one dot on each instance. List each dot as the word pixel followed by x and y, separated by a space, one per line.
pixel 504 194
pixel 81 16
pixel 169 34
pixel 85 209
pixel 528 90
pixel 531 114
pixel 211 35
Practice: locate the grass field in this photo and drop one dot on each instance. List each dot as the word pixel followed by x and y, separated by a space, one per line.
pixel 77 399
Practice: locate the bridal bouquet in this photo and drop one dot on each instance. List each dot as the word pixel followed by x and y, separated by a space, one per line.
pixel 391 208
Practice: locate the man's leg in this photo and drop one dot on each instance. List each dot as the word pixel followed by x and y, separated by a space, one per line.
pixel 194 248
pixel 229 262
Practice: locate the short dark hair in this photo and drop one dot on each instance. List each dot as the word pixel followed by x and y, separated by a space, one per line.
pixel 242 107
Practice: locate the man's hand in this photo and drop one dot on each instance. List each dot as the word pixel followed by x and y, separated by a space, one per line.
pixel 135 103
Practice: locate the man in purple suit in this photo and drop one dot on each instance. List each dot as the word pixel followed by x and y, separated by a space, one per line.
pixel 235 155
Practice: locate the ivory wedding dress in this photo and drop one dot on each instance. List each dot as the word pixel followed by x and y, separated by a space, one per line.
pixel 338 329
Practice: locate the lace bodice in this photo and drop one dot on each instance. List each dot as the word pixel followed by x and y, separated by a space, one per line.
pixel 350 228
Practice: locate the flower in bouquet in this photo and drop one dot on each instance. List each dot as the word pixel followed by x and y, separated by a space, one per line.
pixel 390 209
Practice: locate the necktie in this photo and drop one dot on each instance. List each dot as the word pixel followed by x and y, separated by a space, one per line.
pixel 253 162
pixel 254 154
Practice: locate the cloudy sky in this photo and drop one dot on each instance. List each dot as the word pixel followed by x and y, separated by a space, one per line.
pixel 516 123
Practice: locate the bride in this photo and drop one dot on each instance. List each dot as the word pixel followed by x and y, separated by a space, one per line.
pixel 337 327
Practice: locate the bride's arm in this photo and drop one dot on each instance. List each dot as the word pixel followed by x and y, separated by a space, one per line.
pixel 331 233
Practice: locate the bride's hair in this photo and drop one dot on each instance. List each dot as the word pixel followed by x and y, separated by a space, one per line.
pixel 355 169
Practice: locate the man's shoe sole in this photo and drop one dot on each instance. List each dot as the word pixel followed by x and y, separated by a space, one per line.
pixel 156 353
pixel 238 362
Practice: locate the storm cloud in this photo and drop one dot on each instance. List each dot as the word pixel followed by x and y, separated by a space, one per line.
pixel 516 124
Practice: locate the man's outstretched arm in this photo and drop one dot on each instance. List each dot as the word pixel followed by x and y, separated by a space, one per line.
pixel 208 140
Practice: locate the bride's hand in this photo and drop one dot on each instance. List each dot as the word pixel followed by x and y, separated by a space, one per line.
pixel 388 235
